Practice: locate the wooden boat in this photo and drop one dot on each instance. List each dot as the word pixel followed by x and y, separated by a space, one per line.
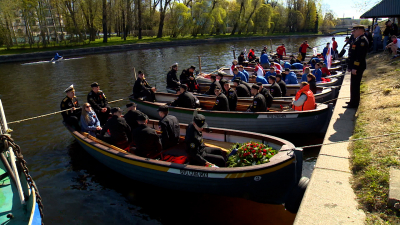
pixel 226 71
pixel 276 122
pixel 17 199
pixel 323 94
pixel 266 183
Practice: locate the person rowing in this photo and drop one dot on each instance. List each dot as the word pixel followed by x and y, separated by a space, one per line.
pixel 56 57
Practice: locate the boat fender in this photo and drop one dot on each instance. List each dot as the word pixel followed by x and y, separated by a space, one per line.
pixel 292 204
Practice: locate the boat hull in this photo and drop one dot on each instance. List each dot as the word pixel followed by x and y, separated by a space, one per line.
pixel 292 122
pixel 265 183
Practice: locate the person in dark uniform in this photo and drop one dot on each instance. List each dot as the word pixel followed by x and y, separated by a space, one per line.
pixel 147 142
pixel 185 99
pixel 241 59
pixel 220 78
pixel 259 103
pixel 213 85
pixel 71 117
pixel 247 85
pixel 281 84
pixel 241 89
pixel 231 95
pixel 132 115
pixel 275 90
pixel 187 77
pixel 97 99
pixel 357 64
pixel 172 79
pixel 169 127
pixel 198 153
pixel 221 103
pixel 142 89
pixel 120 132
pixel 268 97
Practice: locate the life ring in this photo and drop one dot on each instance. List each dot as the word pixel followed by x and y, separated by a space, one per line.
pixel 292 204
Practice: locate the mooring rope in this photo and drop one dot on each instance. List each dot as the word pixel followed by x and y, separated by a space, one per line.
pixel 53 113
pixel 356 139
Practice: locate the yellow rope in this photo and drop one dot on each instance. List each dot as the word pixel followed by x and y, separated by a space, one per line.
pixel 53 113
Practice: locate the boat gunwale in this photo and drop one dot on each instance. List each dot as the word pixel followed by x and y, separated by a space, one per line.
pixel 280 158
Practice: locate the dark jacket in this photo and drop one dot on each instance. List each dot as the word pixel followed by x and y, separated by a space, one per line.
pixel 211 90
pixel 68 103
pixel 275 90
pixel 282 85
pixel 268 97
pixel 170 130
pixel 221 103
pixel 185 100
pixel 259 104
pixel 131 118
pixel 357 53
pixel 97 101
pixel 195 146
pixel 185 79
pixel 313 86
pixel 172 79
pixel 241 59
pixel 242 91
pixel 119 130
pixel 146 140
pixel 140 88
pixel 232 98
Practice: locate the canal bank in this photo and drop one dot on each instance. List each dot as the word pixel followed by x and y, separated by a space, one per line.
pixel 330 198
pixel 47 55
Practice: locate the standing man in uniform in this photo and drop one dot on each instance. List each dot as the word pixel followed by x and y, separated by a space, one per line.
pixel 169 127
pixel 213 85
pixel 142 89
pixel 221 103
pixel 275 90
pixel 231 95
pixel 357 64
pixel 97 99
pixel 71 117
pixel 172 79
pixel 259 103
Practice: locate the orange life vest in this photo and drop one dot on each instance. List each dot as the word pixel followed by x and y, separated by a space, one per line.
pixel 309 104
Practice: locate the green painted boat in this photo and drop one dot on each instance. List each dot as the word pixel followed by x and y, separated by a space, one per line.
pixel 18 194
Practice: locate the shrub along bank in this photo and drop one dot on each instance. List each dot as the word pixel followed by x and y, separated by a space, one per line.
pixel 379 113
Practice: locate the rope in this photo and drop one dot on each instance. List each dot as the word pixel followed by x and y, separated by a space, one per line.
pixel 357 139
pixel 53 113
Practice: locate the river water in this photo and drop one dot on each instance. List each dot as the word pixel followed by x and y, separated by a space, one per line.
pixel 75 188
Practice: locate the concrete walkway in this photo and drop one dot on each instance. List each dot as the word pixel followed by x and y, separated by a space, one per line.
pixel 329 198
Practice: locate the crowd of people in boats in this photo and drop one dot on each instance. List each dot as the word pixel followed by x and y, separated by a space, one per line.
pixel 130 132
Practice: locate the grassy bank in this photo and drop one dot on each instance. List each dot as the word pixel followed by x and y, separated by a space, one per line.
pixel 379 113
pixel 38 47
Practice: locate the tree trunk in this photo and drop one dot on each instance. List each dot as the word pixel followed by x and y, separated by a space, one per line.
pixel 104 21
pixel 139 5
pixel 237 22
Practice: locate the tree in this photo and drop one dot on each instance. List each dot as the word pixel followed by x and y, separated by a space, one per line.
pixel 179 19
pixel 105 21
pixel 263 18
pixel 163 9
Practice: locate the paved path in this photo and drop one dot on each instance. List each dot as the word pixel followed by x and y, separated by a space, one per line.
pixel 329 198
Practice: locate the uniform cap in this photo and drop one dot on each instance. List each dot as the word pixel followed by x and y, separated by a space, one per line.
pixel 94 84
pixel 237 79
pixel 358 27
pixel 142 117
pixel 70 88
pixel 220 74
pixel 200 120
pixel 175 64
pixel 279 75
pixel 217 88
pixel 115 109
pixel 255 87
pixel 130 104
pixel 224 81
pixel 272 77
pixel 213 76
pixel 287 69
pixel 162 108
pixel 184 86
pixel 259 83
pixel 192 67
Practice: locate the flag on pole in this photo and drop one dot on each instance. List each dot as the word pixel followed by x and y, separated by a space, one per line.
pixel 329 57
